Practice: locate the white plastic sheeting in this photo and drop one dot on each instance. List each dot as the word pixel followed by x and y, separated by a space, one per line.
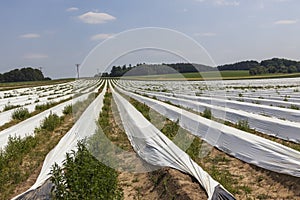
pixel 261 100
pixel 275 89
pixel 272 126
pixel 155 148
pixel 6 115
pixel 27 127
pixel 242 145
pixel 280 113
pixel 85 126
pixel 288 114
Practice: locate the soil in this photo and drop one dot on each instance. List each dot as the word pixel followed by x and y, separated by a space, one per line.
pixel 263 184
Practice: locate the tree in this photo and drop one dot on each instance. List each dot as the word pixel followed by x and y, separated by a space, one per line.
pixel 292 69
pixel 24 74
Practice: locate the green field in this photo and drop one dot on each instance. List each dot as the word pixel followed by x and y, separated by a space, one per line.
pixel 212 75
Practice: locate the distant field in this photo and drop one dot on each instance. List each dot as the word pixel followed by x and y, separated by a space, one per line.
pixel 212 75
pixel 16 85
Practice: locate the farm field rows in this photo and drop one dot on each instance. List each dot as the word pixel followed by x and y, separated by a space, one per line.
pixel 237 139
pixel 212 75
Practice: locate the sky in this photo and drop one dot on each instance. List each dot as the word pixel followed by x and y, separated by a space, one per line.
pixel 57 34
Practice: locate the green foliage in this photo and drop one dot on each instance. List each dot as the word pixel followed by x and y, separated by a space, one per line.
pixel 207 113
pixel 225 178
pixel 24 74
pixel 156 69
pixel 275 65
pixel 243 125
pixel 84 177
pixel 20 114
pixel 244 65
pixel 68 110
pixel 10 158
pixel 104 115
pixel 43 107
pixel 294 107
pixel 9 107
pixel 170 129
pixel 194 149
pixel 51 122
pixel 143 108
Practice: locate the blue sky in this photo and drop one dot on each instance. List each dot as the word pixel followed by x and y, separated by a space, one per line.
pixel 56 34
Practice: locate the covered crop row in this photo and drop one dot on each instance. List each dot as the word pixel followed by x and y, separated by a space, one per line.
pixel 28 126
pixel 280 113
pixel 84 127
pixel 155 148
pixel 272 126
pixel 242 145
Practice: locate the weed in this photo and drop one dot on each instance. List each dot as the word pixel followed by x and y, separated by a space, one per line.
pixel 10 107
pixel 51 122
pixel 68 110
pixel 207 113
pixel 243 125
pixel 294 107
pixel 21 114
pixel 82 176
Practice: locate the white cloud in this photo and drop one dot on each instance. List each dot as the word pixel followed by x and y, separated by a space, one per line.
pixel 285 22
pixel 222 2
pixel 35 56
pixel 101 36
pixel 72 9
pixel 226 3
pixel 96 18
pixel 207 34
pixel 30 36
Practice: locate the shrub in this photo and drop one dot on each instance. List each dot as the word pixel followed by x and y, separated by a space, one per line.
pixel 43 107
pixel 207 113
pixel 294 107
pixel 51 122
pixel 82 176
pixel 68 110
pixel 21 114
pixel 243 125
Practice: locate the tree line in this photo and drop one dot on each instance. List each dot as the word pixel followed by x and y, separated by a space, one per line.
pixel 269 66
pixel 24 74
pixel 156 69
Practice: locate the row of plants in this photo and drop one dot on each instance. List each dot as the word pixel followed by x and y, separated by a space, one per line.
pixel 22 156
pixel 82 175
pixel 22 113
